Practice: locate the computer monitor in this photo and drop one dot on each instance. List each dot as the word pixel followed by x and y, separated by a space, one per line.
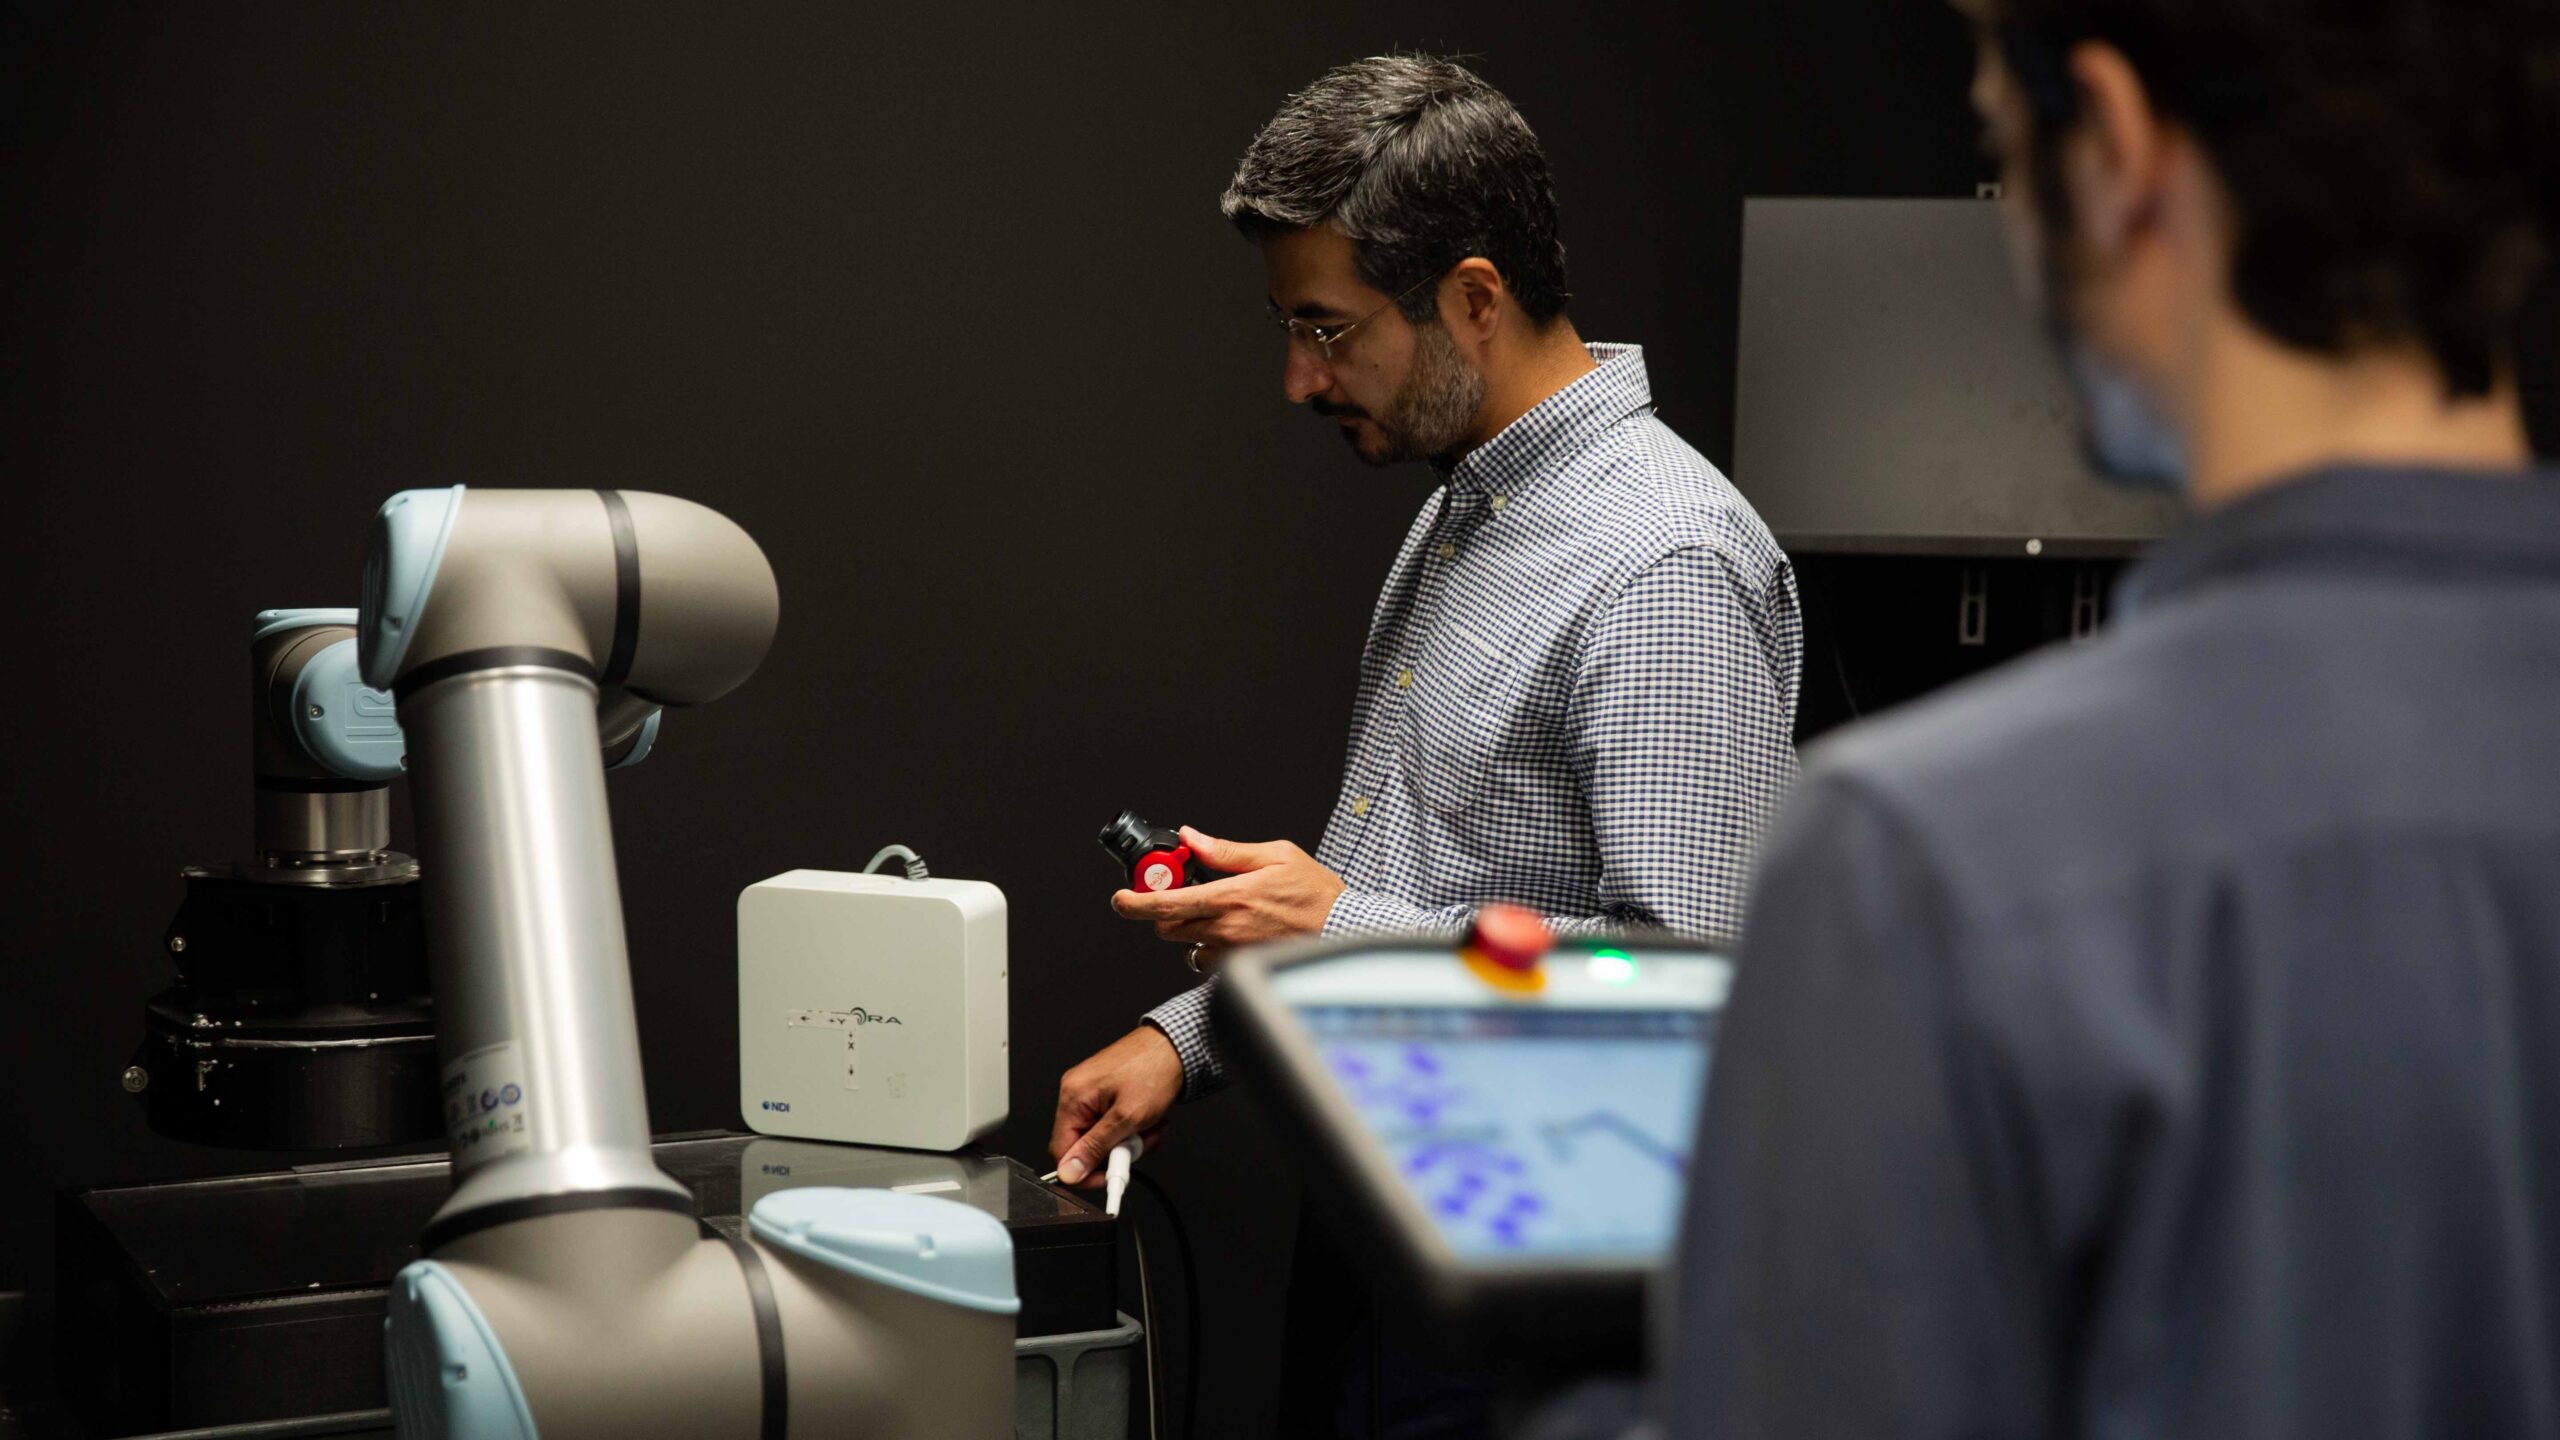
pixel 1894 394
pixel 1516 1148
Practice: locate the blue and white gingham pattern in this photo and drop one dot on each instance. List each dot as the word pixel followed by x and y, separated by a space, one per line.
pixel 1578 692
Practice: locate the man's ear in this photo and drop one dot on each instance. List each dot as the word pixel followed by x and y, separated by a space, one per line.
pixel 2114 161
pixel 1473 300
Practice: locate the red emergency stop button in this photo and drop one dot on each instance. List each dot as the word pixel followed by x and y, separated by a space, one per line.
pixel 1161 869
pixel 1505 947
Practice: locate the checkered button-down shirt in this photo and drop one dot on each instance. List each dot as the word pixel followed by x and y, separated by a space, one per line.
pixel 1578 692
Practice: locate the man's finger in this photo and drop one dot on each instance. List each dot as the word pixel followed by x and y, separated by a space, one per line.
pixel 1075 1112
pixel 1159 905
pixel 1191 902
pixel 1233 856
pixel 1154 1139
pixel 1225 930
pixel 1084 1160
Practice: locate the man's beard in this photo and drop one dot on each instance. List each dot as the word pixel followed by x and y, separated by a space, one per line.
pixel 1434 411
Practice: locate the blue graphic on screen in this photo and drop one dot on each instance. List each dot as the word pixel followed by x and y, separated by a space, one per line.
pixel 1529 1134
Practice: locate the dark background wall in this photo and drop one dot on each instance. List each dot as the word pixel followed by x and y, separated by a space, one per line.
pixel 932 299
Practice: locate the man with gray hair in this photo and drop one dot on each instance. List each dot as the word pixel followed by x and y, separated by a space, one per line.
pixel 1579 686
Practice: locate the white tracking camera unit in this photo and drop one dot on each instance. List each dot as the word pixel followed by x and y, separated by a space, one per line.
pixel 872 1008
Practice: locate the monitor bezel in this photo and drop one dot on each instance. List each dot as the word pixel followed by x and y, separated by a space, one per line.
pixel 1564 1312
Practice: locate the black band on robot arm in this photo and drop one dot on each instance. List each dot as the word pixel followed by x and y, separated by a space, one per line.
pixel 626 590
pixel 493 657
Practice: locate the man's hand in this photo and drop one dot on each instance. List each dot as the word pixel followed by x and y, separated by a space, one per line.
pixel 1123 1091
pixel 1271 891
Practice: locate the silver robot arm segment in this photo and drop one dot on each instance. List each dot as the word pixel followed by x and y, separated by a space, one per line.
pixel 513 626
pixel 656 596
pixel 568 1291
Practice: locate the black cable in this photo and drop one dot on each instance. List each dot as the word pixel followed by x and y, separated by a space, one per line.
pixel 1840 667
pixel 1190 1302
pixel 1816 599
pixel 1155 1342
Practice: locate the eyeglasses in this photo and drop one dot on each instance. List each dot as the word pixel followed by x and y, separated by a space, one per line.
pixel 1324 337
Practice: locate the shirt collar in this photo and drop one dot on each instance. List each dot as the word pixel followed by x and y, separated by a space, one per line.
pixel 2370 520
pixel 1560 426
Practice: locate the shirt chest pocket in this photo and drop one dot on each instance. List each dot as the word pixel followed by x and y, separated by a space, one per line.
pixel 1462 703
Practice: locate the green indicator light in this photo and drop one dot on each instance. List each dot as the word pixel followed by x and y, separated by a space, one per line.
pixel 1613 967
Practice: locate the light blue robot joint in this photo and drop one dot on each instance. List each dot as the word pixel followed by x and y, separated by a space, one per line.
pixel 647 742
pixel 344 724
pixel 269 622
pixel 448 1373
pixel 409 536
pixel 939 1249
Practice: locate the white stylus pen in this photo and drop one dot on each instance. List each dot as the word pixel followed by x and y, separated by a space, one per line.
pixel 1115 1181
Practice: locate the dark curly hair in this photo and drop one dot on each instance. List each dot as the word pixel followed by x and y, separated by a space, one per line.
pixel 1421 164
pixel 2393 165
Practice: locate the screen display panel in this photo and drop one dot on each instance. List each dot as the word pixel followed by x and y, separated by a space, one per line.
pixel 1895 394
pixel 1547 1128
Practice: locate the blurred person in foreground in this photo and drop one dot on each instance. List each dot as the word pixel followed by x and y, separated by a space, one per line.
pixel 2163 1038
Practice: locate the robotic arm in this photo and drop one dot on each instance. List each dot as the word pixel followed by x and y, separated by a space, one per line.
pixel 567 1290
pixel 515 627
pixel 555 577
pixel 301 1017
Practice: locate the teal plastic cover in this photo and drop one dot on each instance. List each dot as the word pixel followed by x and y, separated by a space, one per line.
pixel 448 1375
pixel 271 621
pixel 939 1249
pixel 648 742
pixel 345 724
pixel 409 535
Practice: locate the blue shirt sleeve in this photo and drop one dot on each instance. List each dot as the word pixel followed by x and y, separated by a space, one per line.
pixel 1184 1019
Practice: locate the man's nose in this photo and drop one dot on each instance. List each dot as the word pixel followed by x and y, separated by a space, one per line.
pixel 1304 375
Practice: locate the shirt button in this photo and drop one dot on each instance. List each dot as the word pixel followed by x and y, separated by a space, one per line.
pixel 1499 501
pixel 1404 681
pixel 1448 551
pixel 1360 805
